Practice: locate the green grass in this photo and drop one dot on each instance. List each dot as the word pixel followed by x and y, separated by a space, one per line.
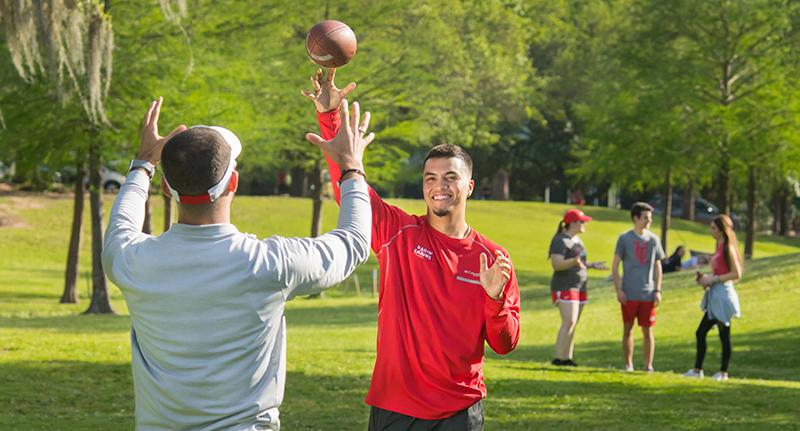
pixel 61 370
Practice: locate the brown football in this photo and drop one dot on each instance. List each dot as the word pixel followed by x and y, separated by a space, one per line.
pixel 331 43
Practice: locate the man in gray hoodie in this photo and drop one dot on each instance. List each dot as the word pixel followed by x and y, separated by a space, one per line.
pixel 208 334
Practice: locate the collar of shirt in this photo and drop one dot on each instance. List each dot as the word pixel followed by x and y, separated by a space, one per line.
pixel 203 230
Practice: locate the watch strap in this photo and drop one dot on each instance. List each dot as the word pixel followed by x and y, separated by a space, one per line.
pixel 146 166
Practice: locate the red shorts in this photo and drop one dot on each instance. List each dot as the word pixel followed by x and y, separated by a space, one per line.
pixel 643 311
pixel 571 295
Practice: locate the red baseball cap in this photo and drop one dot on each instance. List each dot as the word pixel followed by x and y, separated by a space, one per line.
pixel 574 215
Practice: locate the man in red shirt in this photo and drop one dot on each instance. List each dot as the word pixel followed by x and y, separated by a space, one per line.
pixel 444 289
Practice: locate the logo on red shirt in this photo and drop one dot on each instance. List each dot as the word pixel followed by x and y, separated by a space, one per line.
pixel 423 252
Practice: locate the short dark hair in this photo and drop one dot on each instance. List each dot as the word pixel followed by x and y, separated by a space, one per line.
pixel 638 208
pixel 446 151
pixel 194 160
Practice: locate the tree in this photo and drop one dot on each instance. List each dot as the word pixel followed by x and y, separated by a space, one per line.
pixel 48 38
pixel 638 128
pixel 36 135
pixel 731 51
pixel 703 84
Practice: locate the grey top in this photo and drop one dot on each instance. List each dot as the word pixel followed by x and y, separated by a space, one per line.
pixel 208 334
pixel 721 302
pixel 639 256
pixel 572 278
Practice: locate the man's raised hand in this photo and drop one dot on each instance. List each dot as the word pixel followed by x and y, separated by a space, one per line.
pixel 494 279
pixel 326 96
pixel 151 142
pixel 347 147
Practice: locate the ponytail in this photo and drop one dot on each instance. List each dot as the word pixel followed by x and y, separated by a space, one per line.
pixel 561 227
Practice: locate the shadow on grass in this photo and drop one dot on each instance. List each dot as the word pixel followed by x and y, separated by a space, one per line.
pixel 635 402
pixel 777 239
pixel 325 402
pixel 772 355
pixel 76 324
pixel 92 396
pixel 334 315
pixel 17 296
pixel 85 395
pixel 757 269
pixel 68 395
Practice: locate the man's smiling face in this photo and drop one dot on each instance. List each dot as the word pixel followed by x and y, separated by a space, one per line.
pixel 446 184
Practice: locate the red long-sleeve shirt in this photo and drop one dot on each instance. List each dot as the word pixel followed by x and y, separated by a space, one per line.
pixel 433 314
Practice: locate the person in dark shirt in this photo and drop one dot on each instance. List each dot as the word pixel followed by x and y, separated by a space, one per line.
pixel 568 286
pixel 673 262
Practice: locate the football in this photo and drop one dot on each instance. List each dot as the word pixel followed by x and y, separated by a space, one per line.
pixel 331 43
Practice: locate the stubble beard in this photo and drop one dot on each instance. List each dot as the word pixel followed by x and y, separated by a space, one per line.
pixel 442 212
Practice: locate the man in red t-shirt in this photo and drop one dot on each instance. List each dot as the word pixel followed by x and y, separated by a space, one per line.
pixel 444 289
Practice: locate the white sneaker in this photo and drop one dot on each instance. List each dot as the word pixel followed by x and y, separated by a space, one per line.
pixel 628 368
pixel 650 370
pixel 720 376
pixel 695 374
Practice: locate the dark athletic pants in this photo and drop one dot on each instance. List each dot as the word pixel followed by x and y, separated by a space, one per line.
pixel 469 419
pixel 724 335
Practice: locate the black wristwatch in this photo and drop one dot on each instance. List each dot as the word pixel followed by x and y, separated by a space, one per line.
pixel 143 165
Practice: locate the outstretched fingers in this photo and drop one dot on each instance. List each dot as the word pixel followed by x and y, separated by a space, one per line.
pixel 148 114
pixel 503 264
pixel 155 114
pixel 368 139
pixel 354 120
pixel 365 122
pixel 315 139
pixel 315 81
pixel 344 114
pixel 308 94
pixel 175 131
pixel 350 87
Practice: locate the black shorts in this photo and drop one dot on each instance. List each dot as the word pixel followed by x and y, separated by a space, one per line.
pixel 469 419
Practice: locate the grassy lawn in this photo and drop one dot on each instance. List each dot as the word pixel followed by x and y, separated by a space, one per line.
pixel 61 370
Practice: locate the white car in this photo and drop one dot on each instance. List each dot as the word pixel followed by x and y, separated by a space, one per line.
pixel 111 180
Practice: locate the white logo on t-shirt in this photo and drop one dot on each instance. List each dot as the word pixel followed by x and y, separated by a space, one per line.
pixel 423 252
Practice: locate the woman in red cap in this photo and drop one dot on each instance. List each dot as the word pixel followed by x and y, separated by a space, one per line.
pixel 568 285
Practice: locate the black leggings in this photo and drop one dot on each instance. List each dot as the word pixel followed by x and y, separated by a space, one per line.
pixel 724 335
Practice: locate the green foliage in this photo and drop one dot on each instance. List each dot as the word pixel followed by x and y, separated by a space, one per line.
pixel 697 87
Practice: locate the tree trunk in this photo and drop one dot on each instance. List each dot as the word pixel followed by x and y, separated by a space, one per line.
pixel 724 185
pixel 70 295
pixel 783 209
pixel 316 199
pixel 666 217
pixel 316 208
pixel 689 203
pixel 100 300
pixel 751 212
pixel 147 226
pixel 778 209
pixel 501 190
pixel 299 186
pixel 167 212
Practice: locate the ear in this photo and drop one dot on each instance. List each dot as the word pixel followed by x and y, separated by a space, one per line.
pixel 233 185
pixel 471 187
pixel 164 188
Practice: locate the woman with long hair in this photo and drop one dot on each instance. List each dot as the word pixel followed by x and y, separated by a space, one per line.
pixel 568 285
pixel 720 302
